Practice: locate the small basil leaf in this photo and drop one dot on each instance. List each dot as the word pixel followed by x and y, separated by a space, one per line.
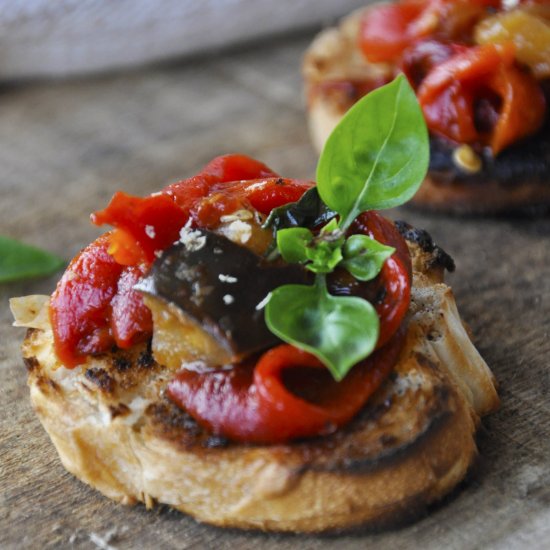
pixel 309 211
pixel 22 261
pixel 364 257
pixel 378 154
pixel 339 330
pixel 292 243
pixel 324 256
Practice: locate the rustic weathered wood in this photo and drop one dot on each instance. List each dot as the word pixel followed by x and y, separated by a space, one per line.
pixel 64 149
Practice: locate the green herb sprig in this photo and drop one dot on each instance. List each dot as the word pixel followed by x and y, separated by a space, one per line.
pixel 22 261
pixel 376 158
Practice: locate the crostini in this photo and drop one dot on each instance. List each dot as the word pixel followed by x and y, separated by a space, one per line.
pixel 261 352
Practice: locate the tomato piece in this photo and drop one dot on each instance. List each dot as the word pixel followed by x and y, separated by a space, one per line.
pixel 480 96
pixel 272 404
pixel 81 303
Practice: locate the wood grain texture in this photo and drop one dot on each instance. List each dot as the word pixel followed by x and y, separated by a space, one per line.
pixel 66 147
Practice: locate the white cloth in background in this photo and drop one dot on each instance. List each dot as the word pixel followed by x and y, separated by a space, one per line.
pixel 65 37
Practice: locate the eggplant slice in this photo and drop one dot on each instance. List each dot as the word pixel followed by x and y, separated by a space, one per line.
pixel 216 290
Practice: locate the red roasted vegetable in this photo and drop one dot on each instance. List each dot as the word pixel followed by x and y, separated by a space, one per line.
pixel 480 96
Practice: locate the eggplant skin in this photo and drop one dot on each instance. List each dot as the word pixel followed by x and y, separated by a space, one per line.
pixel 219 287
pixel 410 445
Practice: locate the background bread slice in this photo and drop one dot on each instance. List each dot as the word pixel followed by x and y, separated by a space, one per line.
pixel 516 179
pixel 413 442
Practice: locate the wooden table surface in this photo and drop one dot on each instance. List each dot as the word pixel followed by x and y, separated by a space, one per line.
pixel 66 147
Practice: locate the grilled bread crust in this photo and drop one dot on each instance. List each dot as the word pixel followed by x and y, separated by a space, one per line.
pixel 410 445
pixel 517 179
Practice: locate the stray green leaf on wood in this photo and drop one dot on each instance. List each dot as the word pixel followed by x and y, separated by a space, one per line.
pixel 22 261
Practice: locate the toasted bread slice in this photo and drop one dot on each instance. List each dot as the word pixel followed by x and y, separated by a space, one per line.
pixel 518 178
pixel 410 445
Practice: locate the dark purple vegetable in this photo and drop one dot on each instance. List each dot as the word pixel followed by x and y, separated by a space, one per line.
pixel 217 288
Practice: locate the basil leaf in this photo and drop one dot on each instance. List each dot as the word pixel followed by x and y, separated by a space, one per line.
pixel 22 261
pixel 325 253
pixel 378 154
pixel 324 258
pixel 309 211
pixel 339 330
pixel 364 257
pixel 292 243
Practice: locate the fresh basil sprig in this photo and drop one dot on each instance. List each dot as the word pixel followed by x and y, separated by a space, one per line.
pixel 375 158
pixel 22 261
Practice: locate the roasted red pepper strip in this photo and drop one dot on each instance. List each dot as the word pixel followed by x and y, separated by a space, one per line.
pixel 452 93
pixel 395 277
pixel 259 406
pixel 153 222
pixel 421 57
pixel 236 168
pixel 131 319
pixel 523 107
pixel 93 290
pixel 147 225
pixel 261 194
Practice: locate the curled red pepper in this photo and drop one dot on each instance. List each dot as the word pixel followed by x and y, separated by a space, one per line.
pixel 262 405
pixel 152 222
